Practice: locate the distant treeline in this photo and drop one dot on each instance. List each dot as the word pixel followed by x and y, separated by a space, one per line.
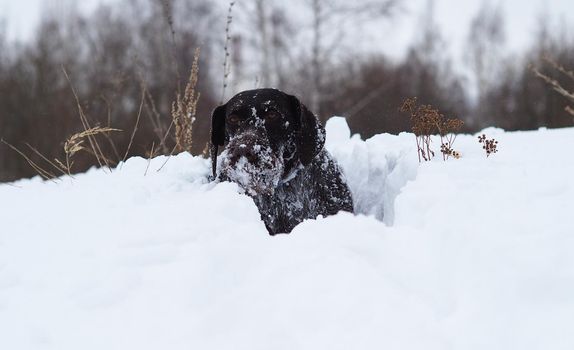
pixel 133 58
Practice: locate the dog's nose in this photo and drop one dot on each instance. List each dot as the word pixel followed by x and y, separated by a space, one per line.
pixel 248 152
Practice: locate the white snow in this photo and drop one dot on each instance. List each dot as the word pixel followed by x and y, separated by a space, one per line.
pixel 473 253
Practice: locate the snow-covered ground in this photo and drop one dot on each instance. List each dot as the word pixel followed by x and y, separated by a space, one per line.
pixel 473 253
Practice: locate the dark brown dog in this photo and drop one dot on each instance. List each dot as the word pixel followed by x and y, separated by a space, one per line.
pixel 275 153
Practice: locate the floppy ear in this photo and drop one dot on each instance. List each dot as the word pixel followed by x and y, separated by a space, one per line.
pixel 218 126
pixel 311 132
pixel 217 135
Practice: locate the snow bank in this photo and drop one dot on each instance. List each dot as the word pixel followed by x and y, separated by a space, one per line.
pixel 472 253
pixel 376 169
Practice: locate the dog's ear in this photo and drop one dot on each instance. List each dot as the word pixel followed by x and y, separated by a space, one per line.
pixel 311 132
pixel 217 135
pixel 218 126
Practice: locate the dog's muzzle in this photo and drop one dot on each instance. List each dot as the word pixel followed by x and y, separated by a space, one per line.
pixel 249 161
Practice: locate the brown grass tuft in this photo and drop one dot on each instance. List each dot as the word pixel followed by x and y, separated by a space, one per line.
pixel 184 108
pixel 76 143
pixel 95 148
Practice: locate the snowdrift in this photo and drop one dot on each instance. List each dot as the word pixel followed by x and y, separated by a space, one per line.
pixel 473 253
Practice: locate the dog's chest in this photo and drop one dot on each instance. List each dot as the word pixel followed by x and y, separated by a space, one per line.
pixel 291 203
pixel 317 189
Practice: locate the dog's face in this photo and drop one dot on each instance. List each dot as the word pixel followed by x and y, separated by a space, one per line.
pixel 269 135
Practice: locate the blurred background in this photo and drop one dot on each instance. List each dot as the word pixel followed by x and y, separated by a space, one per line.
pixel 127 59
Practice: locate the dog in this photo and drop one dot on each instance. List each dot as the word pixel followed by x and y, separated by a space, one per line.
pixel 275 153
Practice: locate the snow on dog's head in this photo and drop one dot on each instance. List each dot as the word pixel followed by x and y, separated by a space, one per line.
pixel 250 162
pixel 268 136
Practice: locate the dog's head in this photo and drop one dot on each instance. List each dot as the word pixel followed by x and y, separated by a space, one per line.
pixel 269 136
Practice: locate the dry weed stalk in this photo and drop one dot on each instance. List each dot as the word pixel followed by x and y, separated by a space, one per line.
pixel 447 129
pixel 184 108
pixel 55 164
pixel 109 125
pixel 489 146
pixel 556 86
pixel 226 66
pixel 167 9
pixel 161 131
pixel 183 111
pixel 420 128
pixel 426 121
pixel 96 150
pixel 45 174
pixel 136 124
pixel 150 155
pixel 75 144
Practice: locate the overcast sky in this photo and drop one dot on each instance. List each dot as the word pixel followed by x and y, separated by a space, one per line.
pixel 453 17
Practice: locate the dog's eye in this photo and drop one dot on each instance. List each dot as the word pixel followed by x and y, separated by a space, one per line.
pixel 233 119
pixel 272 115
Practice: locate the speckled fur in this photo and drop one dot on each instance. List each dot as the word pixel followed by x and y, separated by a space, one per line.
pixel 317 189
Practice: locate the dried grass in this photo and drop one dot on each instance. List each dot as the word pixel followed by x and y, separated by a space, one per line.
pixel 154 116
pixel 135 129
pixel 183 113
pixel 45 174
pixel 95 148
pixel 150 155
pixel 76 143
pixel 427 121
pixel 184 108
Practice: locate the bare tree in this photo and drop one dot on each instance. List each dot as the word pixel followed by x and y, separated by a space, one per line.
pixel 316 56
pixel 282 56
pixel 332 15
pixel 370 90
pixel 266 33
pixel 296 54
pixel 556 85
pixel 520 99
pixel 113 57
pixel 262 25
pixel 485 46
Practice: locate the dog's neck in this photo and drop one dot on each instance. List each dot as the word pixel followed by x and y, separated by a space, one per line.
pixel 291 174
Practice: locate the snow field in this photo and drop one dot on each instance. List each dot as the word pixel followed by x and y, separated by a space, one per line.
pixel 472 253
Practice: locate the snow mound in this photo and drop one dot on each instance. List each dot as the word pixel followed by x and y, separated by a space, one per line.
pixel 473 253
pixel 375 169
